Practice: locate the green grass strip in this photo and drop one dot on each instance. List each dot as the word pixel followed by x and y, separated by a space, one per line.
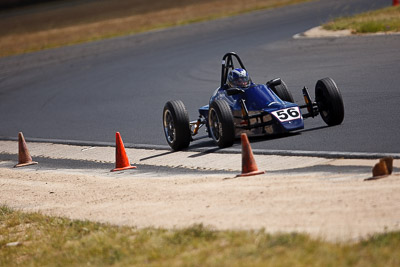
pixel 382 20
pixel 54 241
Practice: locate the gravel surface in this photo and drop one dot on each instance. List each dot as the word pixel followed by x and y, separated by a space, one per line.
pixel 327 198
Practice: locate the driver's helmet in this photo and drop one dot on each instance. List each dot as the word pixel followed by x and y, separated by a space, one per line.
pixel 238 78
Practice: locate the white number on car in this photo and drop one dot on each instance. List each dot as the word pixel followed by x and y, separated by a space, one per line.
pixel 287 114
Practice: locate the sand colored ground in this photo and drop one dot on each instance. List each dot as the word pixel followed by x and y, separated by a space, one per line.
pixel 334 205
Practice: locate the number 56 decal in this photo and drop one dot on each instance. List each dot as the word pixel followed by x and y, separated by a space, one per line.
pixel 287 114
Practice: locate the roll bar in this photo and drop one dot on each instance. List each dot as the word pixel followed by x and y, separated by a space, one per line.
pixel 227 65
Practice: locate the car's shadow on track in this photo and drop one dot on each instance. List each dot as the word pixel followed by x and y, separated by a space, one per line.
pixel 207 146
pixel 257 139
pixel 204 145
pixel 158 155
pixel 314 129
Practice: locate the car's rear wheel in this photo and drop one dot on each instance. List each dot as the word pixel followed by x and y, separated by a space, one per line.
pixel 329 101
pixel 176 125
pixel 283 92
pixel 221 123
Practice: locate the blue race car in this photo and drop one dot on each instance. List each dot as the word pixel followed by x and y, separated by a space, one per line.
pixel 241 106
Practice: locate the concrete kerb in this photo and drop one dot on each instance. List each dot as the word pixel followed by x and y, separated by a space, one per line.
pixel 319 32
pixel 206 150
pixel 204 159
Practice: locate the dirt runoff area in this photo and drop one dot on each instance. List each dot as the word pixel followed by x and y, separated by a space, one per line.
pixel 326 198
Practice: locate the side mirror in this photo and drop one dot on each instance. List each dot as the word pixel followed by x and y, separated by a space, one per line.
pixel 274 82
pixel 234 91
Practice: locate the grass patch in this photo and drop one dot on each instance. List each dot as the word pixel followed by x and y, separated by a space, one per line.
pixel 56 241
pixel 55 24
pixel 382 20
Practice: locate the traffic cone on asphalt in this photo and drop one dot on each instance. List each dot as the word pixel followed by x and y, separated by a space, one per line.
pixel 121 159
pixel 24 158
pixel 249 166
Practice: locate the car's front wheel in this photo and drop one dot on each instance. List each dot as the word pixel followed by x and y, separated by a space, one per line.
pixel 329 101
pixel 176 125
pixel 282 91
pixel 221 123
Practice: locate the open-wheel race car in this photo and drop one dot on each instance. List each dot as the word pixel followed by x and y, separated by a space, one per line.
pixel 241 106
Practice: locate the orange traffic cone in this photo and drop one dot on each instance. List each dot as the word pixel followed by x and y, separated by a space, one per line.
pixel 249 166
pixel 121 159
pixel 383 168
pixel 24 158
pixel 389 163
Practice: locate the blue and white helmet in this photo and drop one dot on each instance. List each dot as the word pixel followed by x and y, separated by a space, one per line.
pixel 238 78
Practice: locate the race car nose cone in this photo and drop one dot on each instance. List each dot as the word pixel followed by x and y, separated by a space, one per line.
pixel 274 105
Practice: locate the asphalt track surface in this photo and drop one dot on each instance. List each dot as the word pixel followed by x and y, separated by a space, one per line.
pixel 85 93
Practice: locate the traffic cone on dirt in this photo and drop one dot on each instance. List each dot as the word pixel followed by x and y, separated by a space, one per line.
pixel 121 159
pixel 249 166
pixel 383 168
pixel 24 158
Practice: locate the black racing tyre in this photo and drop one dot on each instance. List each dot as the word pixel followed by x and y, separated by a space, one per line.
pixel 283 92
pixel 176 125
pixel 221 123
pixel 329 101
